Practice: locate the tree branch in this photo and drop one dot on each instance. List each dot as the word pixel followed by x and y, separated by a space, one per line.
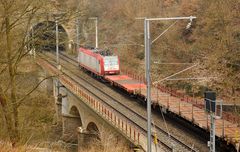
pixel 32 90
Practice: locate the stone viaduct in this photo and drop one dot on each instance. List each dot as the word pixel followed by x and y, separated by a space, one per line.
pixel 82 125
pixel 79 123
pixel 82 118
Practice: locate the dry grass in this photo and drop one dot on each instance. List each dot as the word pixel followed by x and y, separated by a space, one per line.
pixel 95 146
pixel 6 147
pixel 110 142
pixel 42 147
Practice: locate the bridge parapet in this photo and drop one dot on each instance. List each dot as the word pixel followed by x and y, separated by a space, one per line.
pixel 115 118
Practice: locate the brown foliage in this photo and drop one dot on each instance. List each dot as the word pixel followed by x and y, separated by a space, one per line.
pixel 15 21
pixel 213 39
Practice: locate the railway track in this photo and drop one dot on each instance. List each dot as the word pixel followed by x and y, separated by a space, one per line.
pixel 167 140
pixel 158 128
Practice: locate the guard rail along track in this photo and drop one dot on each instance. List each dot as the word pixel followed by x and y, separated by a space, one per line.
pixel 174 142
pixel 129 128
pixel 227 127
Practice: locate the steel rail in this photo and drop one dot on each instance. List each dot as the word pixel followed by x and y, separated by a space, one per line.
pixel 157 127
pixel 167 147
pixel 171 137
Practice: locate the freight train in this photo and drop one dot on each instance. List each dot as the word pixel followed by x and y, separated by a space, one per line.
pixel 105 65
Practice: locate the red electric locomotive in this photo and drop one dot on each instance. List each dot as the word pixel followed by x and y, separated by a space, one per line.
pixel 99 62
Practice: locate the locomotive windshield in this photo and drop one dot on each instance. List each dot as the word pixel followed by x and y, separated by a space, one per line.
pixel 111 63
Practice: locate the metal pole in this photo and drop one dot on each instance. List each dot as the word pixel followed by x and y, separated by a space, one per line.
pixel 148 53
pixel 172 18
pixel 96 24
pixel 145 45
pixel 77 27
pixel 77 32
pixel 57 43
pixel 212 133
pixel 57 54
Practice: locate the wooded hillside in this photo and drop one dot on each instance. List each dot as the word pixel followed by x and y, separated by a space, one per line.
pixel 212 41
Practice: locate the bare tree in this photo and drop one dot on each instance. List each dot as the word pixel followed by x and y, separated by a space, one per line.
pixel 16 19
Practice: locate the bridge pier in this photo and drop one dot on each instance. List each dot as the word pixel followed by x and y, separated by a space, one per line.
pixel 82 135
pixel 58 106
pixel 60 101
pixel 86 139
pixel 70 125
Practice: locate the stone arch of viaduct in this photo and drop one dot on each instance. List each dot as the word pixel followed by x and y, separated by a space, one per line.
pixel 76 117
